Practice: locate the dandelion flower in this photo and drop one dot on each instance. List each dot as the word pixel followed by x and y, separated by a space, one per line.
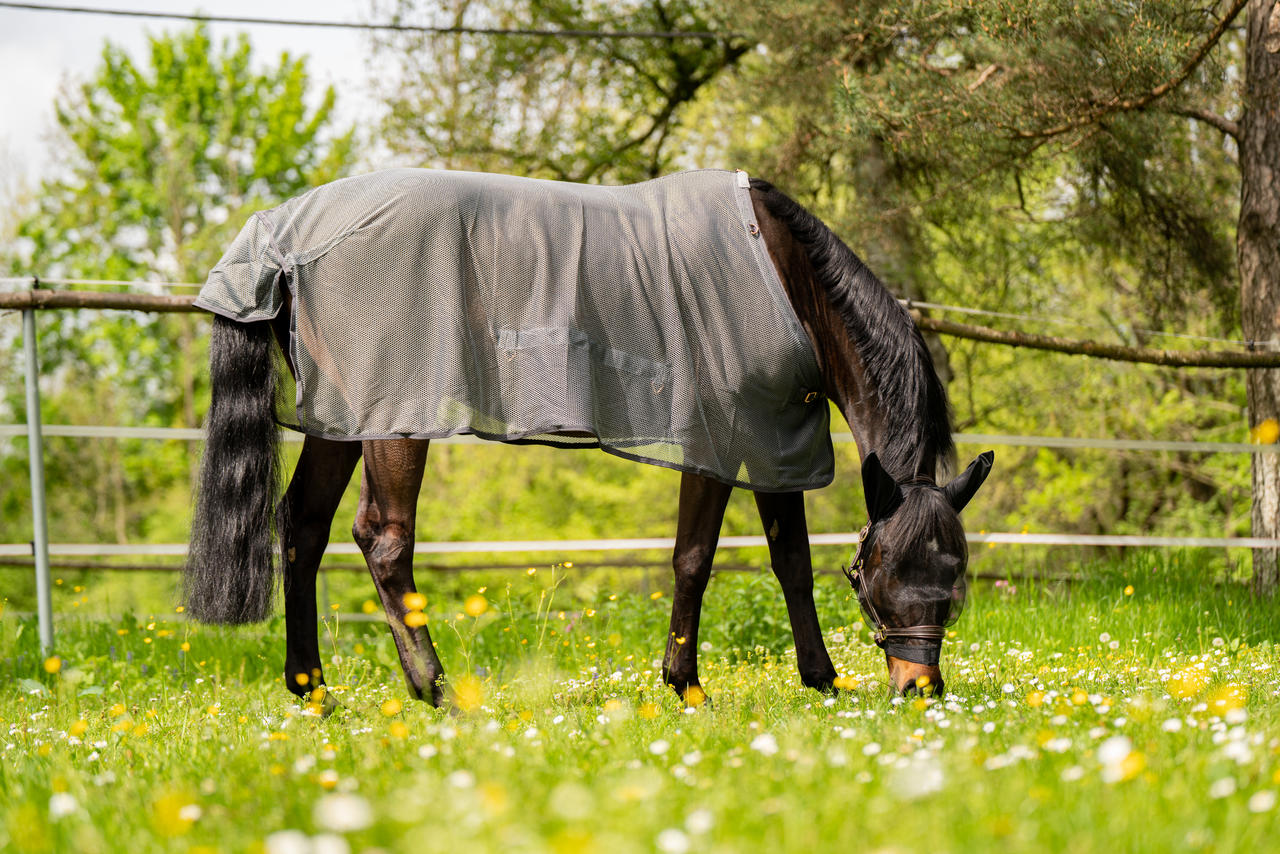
pixel 399 730
pixel 1224 787
pixel 287 842
pixel 700 821
pixel 1263 801
pixel 572 801
pixel 461 779
pixel 342 813
pixel 78 728
pixel 63 804
pixel 1119 760
pixel 52 664
pixel 329 843
pixel 392 707
pixel 673 841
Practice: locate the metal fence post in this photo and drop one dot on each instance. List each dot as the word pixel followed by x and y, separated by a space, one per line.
pixel 39 517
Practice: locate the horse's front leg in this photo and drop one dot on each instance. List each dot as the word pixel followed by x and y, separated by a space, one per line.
pixel 384 530
pixel 788 536
pixel 702 503
pixel 323 470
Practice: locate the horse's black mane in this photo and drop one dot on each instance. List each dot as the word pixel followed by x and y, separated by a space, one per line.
pixel 895 358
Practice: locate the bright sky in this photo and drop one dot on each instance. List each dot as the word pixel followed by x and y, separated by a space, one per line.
pixel 40 50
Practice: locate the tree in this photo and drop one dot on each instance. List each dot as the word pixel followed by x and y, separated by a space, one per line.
pixel 570 109
pixel 159 162
pixel 1046 147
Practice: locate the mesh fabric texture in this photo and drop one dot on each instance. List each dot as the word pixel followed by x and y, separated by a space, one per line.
pixel 646 320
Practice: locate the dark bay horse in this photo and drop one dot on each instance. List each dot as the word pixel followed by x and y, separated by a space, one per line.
pixel 909 571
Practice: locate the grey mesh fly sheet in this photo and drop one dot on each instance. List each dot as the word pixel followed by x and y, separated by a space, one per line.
pixel 646 319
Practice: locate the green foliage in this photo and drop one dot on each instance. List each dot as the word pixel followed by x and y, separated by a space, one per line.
pixel 571 109
pixel 1013 157
pixel 160 163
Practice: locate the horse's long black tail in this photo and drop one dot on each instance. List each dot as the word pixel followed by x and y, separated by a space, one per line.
pixel 230 571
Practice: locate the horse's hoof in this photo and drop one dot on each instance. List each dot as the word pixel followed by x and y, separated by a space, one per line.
pixel 322 702
pixel 695 698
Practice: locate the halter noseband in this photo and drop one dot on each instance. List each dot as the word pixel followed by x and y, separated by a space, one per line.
pixel 887 638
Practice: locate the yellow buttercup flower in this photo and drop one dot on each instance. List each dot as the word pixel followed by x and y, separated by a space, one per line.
pixel 1187 683
pixel 415 619
pixel 1227 698
pixel 52 664
pixel 414 601
pixel 475 605
pixel 468 693
pixel 1265 433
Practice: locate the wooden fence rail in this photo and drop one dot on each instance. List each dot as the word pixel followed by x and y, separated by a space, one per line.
pixel 47 299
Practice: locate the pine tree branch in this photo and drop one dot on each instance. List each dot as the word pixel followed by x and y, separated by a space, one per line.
pixel 1120 104
pixel 1222 123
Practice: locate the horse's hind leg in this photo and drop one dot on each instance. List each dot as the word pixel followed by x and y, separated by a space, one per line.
pixel 306 515
pixel 788 536
pixel 384 531
pixel 702 503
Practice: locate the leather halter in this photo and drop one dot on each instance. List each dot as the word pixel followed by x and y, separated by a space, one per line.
pixel 886 637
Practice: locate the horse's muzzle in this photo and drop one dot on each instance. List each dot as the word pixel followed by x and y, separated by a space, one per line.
pixel 912 679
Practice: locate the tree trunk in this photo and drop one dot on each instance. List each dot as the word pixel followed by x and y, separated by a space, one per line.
pixel 1258 253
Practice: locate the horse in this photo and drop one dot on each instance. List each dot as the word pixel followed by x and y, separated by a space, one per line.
pixel 872 363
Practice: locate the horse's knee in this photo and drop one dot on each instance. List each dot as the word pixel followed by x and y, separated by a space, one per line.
pixel 383 545
pixel 693 563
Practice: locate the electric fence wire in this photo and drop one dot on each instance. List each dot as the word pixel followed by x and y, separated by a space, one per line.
pixel 391 26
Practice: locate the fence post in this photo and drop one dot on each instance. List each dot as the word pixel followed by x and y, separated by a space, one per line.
pixel 35 445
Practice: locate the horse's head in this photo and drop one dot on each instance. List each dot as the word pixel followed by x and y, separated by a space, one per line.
pixel 909 572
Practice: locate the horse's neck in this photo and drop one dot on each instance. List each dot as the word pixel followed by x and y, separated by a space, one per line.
pixel 870 418
pixel 875 427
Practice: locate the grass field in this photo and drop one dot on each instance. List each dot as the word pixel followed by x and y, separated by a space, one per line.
pixel 1136 711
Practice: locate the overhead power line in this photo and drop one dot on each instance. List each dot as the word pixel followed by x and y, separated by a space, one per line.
pixel 391 26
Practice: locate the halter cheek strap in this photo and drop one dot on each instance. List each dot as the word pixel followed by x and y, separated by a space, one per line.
pixel 890 639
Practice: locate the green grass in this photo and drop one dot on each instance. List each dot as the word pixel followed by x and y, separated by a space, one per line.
pixel 1078 718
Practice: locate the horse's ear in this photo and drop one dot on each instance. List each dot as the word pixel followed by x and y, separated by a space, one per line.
pixel 960 490
pixel 882 492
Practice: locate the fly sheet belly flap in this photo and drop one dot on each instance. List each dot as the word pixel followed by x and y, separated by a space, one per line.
pixel 646 319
